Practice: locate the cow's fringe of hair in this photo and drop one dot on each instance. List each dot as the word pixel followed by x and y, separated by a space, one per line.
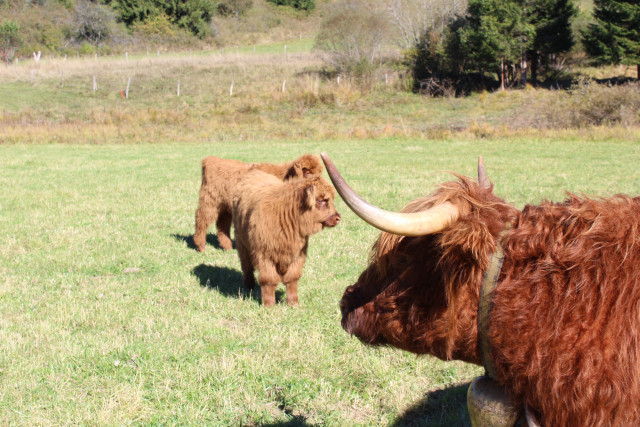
pixel 466 246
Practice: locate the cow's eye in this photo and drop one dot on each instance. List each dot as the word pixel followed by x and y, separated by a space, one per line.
pixel 320 203
pixel 403 259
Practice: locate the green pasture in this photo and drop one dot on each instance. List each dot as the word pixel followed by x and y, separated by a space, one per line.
pixel 108 316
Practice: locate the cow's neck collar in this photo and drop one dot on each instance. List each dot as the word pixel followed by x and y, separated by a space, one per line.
pixel 485 305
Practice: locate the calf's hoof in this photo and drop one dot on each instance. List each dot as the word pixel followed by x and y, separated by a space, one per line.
pixel 225 243
pixel 200 244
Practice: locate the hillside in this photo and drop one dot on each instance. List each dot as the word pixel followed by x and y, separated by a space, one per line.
pixel 61 27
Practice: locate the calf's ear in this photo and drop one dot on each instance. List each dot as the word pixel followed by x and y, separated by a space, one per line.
pixel 292 172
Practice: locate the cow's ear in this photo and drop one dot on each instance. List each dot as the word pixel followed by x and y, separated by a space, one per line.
pixel 308 196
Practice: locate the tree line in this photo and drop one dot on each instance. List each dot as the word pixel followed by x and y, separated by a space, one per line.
pixel 91 25
pixel 459 45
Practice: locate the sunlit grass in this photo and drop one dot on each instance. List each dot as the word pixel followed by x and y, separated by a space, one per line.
pixel 109 317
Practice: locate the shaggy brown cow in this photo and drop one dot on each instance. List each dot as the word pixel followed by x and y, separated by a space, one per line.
pixel 273 221
pixel 219 180
pixel 564 330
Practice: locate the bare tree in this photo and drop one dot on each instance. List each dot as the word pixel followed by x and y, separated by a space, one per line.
pixel 351 38
pixel 92 22
pixel 415 18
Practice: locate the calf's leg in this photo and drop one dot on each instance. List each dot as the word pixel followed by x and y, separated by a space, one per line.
pixel 206 213
pixel 291 277
pixel 268 279
pixel 248 280
pixel 292 292
pixel 224 229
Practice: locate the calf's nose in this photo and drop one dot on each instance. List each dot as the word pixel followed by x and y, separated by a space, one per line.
pixel 333 220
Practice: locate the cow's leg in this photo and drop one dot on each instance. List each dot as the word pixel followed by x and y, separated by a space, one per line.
pixel 268 279
pixel 224 229
pixel 248 280
pixel 205 215
pixel 291 277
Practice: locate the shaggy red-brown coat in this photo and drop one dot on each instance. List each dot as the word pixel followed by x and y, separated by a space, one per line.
pixel 219 180
pixel 565 325
pixel 273 221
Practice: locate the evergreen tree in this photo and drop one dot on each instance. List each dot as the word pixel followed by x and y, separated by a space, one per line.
pixel 615 36
pixel 496 35
pixel 192 15
pixel 552 22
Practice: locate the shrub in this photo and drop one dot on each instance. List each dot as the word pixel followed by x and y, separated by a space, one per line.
pixel 192 15
pixel 351 38
pixel 158 25
pixel 234 7
pixel 297 4
pixel 588 104
pixel 10 40
pixel 92 22
pixel 87 49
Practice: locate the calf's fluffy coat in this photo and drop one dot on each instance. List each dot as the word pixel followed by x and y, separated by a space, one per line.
pixel 273 221
pixel 220 177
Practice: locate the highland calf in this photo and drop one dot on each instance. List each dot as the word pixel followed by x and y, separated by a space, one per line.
pixel 563 334
pixel 273 221
pixel 219 180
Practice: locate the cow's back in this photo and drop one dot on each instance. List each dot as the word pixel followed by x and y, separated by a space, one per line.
pixel 566 315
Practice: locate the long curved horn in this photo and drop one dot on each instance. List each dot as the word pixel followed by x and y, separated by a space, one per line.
pixel 482 174
pixel 404 224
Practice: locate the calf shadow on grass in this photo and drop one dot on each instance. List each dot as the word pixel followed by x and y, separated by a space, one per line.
pixel 212 240
pixel 438 408
pixel 228 282
pixel 225 280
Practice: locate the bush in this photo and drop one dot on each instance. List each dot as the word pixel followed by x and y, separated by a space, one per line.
pixel 297 4
pixel 158 25
pixel 191 15
pixel 92 22
pixel 351 39
pixel 588 104
pixel 10 40
pixel 234 7
pixel 87 49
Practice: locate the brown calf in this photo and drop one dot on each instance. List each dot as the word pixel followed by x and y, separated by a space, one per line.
pixel 273 221
pixel 219 180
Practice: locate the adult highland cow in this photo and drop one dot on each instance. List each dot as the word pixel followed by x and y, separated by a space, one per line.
pixel 273 221
pixel 563 334
pixel 219 180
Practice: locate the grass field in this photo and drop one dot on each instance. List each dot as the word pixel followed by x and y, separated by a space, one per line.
pixel 110 317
